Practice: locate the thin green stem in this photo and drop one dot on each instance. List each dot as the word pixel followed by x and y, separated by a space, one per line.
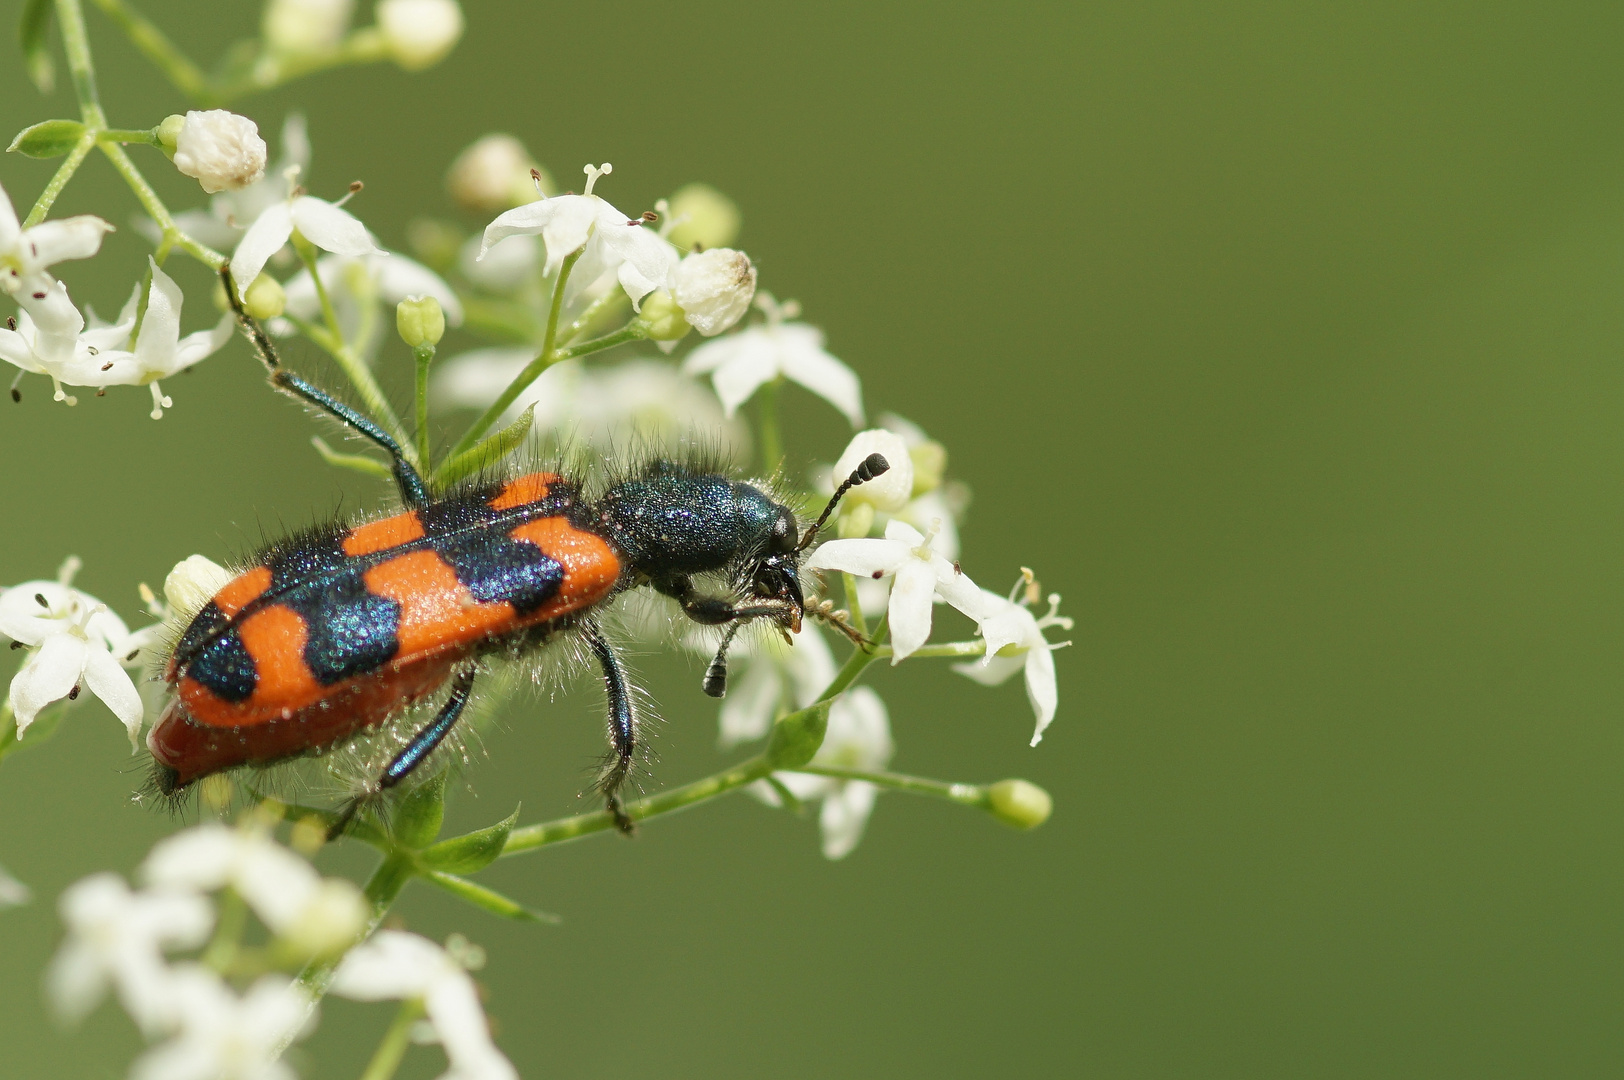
pixel 60 178
pixel 632 331
pixel 963 794
pixel 364 46
pixel 392 1049
pixel 854 606
pixel 772 445
pixel 76 43
pixel 531 837
pixel 602 304
pixel 221 951
pixel 855 663
pixel 424 354
pixel 544 359
pixel 157 210
pixel 128 135
pixel 187 77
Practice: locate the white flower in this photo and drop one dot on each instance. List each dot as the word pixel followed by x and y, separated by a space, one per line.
pixel 231 212
pixel 220 150
pixel 505 268
pixel 608 240
pixel 118 936
pixel 13 893
pixel 740 363
pixel 75 641
pixel 395 965
pixel 305 26
pixel 491 174
pixel 193 583
pixel 598 405
pixel 283 889
pixel 858 737
pixel 25 253
pixel 51 336
pixel 714 288
pixel 324 224
pixel 419 33
pixel 357 286
pixel 1015 642
pixel 890 490
pixel 159 351
pixel 223 1037
pixel 921 574
pixel 775 675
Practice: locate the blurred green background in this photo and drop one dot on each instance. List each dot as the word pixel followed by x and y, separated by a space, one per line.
pixel 1283 339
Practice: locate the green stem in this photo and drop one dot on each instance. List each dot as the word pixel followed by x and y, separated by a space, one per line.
pixel 386 1059
pixel 363 46
pixel 128 135
pixel 157 210
pixel 76 43
pixel 381 891
pixel 187 77
pixel 424 354
pixel 603 303
pixel 544 359
pixel 855 663
pixel 221 951
pixel 772 446
pixel 859 621
pixel 59 180
pixel 531 837
pixel 632 331
pixel 963 794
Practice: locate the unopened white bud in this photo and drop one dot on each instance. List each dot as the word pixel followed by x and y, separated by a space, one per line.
pixel 220 150
pixel 419 33
pixel 715 288
pixel 193 583
pixel 305 26
pixel 702 217
pixel 330 921
pixel 890 490
pixel 493 174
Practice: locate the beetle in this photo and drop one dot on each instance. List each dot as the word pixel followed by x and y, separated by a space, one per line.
pixel 338 629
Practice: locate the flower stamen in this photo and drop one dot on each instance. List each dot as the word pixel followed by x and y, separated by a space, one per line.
pixel 592 175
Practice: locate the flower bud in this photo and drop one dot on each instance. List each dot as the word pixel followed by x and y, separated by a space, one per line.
pixel 420 321
pixel 929 463
pixel 891 490
pixel 662 317
pixel 264 298
pixel 220 150
pixel 704 217
pixel 168 132
pixel 1019 803
pixel 330 921
pixel 305 26
pixel 493 174
pixel 856 519
pixel 714 288
pixel 419 33
pixel 193 583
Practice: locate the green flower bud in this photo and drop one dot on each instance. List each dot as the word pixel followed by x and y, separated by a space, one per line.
pixel 929 463
pixel 169 133
pixel 662 318
pixel 420 321
pixel 705 218
pixel 856 519
pixel 1019 803
pixel 264 298
pixel 435 243
pixel 331 920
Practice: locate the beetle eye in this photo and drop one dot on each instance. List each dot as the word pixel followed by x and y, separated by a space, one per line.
pixel 784 533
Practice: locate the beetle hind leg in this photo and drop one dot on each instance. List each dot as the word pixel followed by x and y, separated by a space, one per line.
pixel 623 729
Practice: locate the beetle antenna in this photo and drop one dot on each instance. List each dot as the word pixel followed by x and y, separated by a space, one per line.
pixel 716 674
pixel 867 469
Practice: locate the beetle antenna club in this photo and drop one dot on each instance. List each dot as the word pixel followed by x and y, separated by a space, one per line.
pixel 867 469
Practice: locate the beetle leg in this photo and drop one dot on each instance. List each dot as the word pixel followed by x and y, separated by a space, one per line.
pixel 716 610
pixel 422 744
pixel 622 726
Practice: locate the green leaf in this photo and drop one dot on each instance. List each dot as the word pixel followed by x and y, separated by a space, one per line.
pixel 359 462
pixel 418 817
pixel 472 852
pixel 43 727
pixel 492 451
pixel 47 139
pixel 33 34
pixel 489 899
pixel 797 737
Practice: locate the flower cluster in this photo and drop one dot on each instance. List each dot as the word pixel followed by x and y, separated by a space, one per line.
pixel 231 1009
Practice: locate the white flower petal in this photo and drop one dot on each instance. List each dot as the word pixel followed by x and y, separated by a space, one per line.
pixel 23 618
pixel 9 228
pixel 994 672
pixel 202 344
pixel 891 490
pixel 844 817
pixel 15 349
pixel 741 377
pixel 114 335
pixel 803 360
pixel 78 237
pixel 910 607
pixel 747 711
pixel 526 220
pixel 110 682
pixel 453 1007
pixel 902 532
pixel 199 858
pixel 160 327
pixel 332 228
pixel 263 239
pixel 863 557
pixel 399 277
pixel 713 354
pixel 47 676
pixel 391 965
pixel 75 981
pixel 648 259
pixel 1041 690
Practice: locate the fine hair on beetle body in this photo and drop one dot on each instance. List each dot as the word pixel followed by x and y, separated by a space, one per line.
pixel 338 630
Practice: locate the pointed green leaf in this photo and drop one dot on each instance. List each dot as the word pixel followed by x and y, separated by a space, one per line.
pixel 489 899
pixel 359 462
pixel 419 815
pixel 34 33
pixel 47 139
pixel 797 737
pixel 473 852
pixel 492 451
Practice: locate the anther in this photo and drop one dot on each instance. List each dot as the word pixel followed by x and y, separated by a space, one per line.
pixel 16 644
pixel 107 366
pixel 11 322
pixel 96 352
pixel 74 693
pixel 355 187
pixel 535 178
pixel 39 598
pixel 39 296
